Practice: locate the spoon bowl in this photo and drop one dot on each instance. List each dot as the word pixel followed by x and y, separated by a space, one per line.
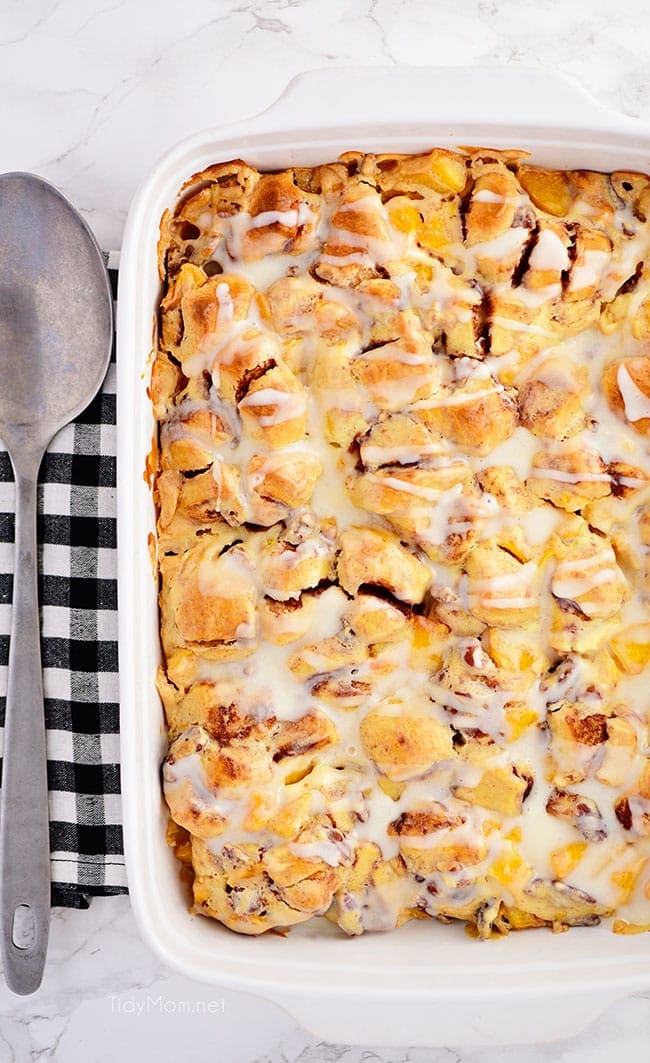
pixel 56 311
pixel 56 330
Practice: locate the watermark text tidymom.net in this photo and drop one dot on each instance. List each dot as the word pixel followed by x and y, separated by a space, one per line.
pixel 164 1006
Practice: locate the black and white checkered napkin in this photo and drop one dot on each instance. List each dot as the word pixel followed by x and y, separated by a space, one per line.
pixel 78 595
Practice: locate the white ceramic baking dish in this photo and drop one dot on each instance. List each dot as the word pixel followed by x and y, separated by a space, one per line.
pixel 426 984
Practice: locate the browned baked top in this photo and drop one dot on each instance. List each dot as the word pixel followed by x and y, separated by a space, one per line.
pixel 403 491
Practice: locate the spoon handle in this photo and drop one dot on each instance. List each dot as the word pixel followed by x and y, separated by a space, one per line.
pixel 24 815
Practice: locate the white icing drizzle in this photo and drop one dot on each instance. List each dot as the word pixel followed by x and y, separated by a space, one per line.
pixel 576 577
pixel 485 195
pixel 557 374
pixel 226 307
pixel 291 218
pixel 327 852
pixel 237 226
pixel 517 453
pixel 404 454
pixel 457 398
pixel 504 246
pixel 539 523
pixel 519 326
pixel 482 699
pixel 563 477
pixel 429 494
pixel 224 576
pixel 289 405
pixel 637 403
pixel 588 273
pixel 549 253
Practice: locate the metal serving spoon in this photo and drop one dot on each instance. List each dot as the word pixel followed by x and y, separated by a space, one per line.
pixel 56 328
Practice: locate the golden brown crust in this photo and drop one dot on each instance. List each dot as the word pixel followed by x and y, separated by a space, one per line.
pixel 402 486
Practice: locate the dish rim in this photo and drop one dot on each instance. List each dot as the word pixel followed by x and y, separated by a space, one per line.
pixel 587 127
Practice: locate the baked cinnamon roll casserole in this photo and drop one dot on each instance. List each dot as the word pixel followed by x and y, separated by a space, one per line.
pixel 402 482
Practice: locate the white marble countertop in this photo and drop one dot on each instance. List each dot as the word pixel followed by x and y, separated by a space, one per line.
pixel 92 92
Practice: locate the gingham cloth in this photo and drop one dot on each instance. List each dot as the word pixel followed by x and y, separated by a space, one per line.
pixel 78 596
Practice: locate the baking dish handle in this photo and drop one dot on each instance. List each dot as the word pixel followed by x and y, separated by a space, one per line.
pixel 507 1018
pixel 486 96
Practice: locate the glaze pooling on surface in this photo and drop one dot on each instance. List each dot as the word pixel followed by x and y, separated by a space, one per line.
pixel 403 496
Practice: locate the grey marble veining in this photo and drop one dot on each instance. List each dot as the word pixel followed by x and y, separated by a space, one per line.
pixel 105 997
pixel 92 94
